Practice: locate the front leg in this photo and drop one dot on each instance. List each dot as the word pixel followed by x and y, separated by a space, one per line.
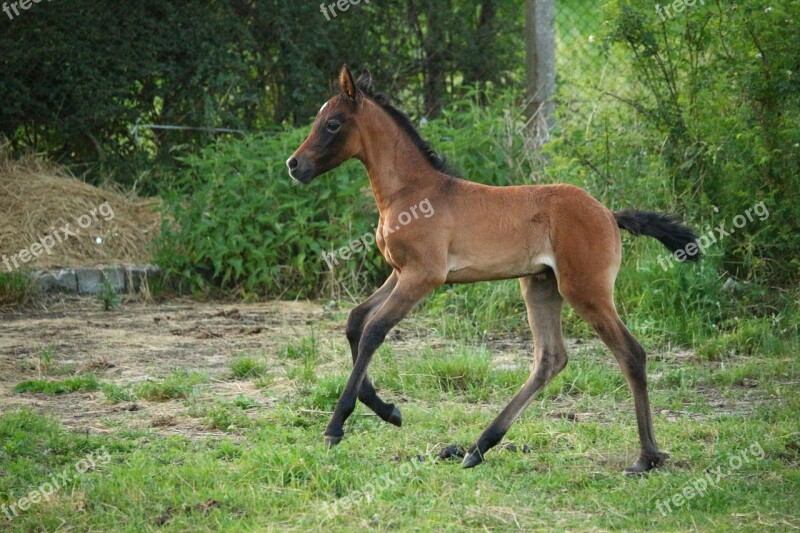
pixel 355 327
pixel 411 288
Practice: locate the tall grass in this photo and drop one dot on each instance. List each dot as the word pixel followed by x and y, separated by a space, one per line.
pixel 16 289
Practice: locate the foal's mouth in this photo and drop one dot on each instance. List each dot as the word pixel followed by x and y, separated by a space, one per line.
pixel 304 179
pixel 300 173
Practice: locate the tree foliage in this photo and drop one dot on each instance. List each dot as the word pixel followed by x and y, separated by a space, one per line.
pixel 79 75
pixel 718 88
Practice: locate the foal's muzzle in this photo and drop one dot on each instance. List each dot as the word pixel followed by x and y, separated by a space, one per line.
pixel 301 169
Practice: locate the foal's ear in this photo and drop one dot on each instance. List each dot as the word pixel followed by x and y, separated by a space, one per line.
pixel 348 85
pixel 364 82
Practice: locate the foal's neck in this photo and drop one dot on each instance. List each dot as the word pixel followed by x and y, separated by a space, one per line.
pixel 397 170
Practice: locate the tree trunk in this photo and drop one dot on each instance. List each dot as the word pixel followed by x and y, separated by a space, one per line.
pixel 434 44
pixel 540 66
pixel 477 71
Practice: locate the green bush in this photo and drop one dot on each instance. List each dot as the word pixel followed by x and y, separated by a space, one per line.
pixel 715 109
pixel 236 221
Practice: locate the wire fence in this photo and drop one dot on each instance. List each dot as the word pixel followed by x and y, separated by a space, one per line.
pixel 589 69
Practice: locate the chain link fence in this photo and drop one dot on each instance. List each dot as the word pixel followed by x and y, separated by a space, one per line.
pixel 589 68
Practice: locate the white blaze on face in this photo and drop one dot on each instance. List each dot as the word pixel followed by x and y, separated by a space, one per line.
pixel 321 109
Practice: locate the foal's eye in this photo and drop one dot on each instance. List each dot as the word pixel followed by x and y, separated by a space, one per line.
pixel 333 126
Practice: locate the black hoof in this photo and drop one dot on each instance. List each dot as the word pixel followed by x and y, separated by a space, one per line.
pixel 396 419
pixel 472 459
pixel 645 464
pixel 331 441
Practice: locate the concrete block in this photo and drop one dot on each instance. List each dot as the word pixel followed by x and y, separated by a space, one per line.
pixel 61 280
pixel 116 277
pixel 136 275
pixel 90 280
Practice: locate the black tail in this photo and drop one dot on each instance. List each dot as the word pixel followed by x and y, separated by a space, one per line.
pixel 662 226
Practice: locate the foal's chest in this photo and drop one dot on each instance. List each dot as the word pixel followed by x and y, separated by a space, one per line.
pixel 383 247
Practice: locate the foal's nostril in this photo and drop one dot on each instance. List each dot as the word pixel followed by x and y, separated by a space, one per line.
pixel 292 163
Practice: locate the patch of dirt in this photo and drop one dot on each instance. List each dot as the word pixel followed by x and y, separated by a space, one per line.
pixel 145 342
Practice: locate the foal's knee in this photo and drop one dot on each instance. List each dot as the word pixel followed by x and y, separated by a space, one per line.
pixel 560 360
pixel 549 362
pixel 374 333
pixel 633 359
pixel 355 325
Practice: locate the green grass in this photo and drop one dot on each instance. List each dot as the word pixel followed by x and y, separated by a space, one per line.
pixel 304 373
pixel 270 470
pixel 86 383
pixel 227 418
pixel 304 348
pixel 466 373
pixel 277 472
pixel 45 359
pixel 248 367
pixel 325 392
pixel 221 414
pixel 179 385
pixel 116 393
pixel 16 289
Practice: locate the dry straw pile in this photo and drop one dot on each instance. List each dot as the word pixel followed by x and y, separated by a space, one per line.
pixel 38 198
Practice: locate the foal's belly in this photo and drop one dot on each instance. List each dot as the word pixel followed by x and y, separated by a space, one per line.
pixel 470 270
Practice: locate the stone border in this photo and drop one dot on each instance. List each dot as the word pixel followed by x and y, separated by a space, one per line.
pixel 123 278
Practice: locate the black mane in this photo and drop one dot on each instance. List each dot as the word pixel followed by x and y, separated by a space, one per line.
pixel 402 120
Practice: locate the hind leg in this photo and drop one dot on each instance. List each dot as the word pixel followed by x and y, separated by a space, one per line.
pixel 595 304
pixel 550 357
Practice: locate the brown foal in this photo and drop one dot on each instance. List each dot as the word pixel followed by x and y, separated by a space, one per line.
pixel 559 241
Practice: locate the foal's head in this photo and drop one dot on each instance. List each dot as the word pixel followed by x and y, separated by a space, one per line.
pixel 334 137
